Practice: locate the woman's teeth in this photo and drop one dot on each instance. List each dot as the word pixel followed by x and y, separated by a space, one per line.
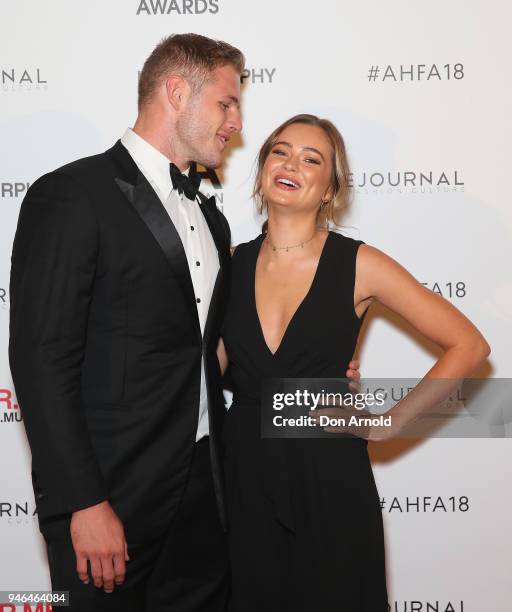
pixel 287 182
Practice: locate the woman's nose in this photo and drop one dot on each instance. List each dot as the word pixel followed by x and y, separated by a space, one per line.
pixel 290 163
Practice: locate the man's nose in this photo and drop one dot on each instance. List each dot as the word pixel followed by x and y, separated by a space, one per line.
pixel 235 121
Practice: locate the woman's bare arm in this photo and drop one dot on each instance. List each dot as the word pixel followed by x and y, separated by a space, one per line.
pixel 222 356
pixel 381 278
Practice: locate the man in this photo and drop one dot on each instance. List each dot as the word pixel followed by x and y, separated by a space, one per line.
pixel 117 294
pixel 118 288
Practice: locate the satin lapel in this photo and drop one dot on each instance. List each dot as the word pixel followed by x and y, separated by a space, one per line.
pixel 209 209
pixel 151 210
pixel 211 215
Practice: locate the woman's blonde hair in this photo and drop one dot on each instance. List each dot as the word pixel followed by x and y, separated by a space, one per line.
pixel 329 212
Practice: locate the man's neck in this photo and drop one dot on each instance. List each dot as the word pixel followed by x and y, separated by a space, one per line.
pixel 158 139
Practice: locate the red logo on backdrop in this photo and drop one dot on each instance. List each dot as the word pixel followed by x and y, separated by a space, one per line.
pixel 7 399
pixel 26 608
pixel 9 410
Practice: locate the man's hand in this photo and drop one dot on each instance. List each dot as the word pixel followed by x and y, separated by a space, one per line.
pixel 353 375
pixel 353 370
pixel 97 535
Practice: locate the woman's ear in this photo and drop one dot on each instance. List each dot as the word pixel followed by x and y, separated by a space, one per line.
pixel 328 195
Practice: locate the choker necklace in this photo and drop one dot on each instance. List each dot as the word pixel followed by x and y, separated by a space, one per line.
pixel 287 248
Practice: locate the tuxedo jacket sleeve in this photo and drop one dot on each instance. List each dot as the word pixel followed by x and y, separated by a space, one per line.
pixel 53 270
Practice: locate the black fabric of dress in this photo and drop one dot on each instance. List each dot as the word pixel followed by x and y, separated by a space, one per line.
pixel 305 521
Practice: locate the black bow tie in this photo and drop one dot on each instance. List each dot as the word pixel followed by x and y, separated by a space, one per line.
pixel 189 185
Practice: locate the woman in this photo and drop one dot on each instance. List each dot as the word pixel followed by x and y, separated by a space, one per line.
pixel 306 525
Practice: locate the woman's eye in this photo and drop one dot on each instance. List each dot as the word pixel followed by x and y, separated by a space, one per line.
pixel 224 105
pixel 312 161
pixel 278 152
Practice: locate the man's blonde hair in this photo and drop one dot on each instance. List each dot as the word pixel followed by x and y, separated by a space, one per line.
pixel 191 56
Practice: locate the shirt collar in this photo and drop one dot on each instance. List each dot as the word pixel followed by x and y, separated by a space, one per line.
pixel 153 163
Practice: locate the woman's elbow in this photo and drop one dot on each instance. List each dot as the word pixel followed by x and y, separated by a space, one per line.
pixel 480 349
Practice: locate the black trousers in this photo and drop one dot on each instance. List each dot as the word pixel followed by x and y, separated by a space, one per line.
pixel 186 571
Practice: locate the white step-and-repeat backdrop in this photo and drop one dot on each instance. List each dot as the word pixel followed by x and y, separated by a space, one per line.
pixel 422 94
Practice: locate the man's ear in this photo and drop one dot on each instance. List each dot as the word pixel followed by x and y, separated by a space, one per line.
pixel 177 90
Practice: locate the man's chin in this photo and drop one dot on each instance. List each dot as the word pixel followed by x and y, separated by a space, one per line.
pixel 211 162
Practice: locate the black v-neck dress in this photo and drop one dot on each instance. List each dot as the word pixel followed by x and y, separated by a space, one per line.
pixel 305 521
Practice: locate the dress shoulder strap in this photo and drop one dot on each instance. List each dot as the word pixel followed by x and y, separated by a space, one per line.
pixel 342 265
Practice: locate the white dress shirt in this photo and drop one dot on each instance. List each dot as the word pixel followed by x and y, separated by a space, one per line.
pixel 189 221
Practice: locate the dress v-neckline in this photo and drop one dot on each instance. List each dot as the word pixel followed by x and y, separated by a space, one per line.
pixel 299 307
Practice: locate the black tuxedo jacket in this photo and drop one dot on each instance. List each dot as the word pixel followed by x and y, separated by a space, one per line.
pixel 105 343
